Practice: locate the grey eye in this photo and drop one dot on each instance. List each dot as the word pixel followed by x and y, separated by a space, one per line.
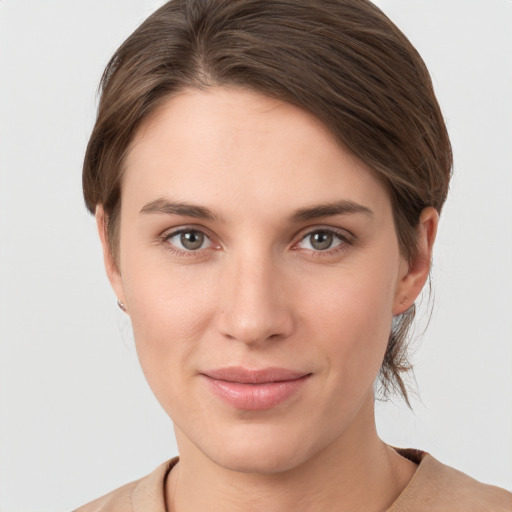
pixel 321 240
pixel 192 240
pixel 189 240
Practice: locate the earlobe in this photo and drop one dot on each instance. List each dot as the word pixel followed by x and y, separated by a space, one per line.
pixel 417 270
pixel 113 273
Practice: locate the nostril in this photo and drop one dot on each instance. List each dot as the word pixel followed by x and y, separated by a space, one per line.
pixel 253 307
pixel 270 325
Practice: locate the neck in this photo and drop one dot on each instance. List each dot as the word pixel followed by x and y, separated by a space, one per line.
pixel 357 472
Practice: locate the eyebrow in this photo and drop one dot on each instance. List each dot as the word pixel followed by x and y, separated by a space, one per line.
pixel 178 208
pixel 343 207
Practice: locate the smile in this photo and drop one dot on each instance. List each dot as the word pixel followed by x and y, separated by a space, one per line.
pixel 255 390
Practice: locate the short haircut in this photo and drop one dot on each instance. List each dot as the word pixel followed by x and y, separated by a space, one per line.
pixel 343 61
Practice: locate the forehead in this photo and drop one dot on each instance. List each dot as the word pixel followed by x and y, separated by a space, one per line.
pixel 229 145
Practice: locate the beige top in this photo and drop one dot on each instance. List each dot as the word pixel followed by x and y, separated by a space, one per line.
pixel 433 488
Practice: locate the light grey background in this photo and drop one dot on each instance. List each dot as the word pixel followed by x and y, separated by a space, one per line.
pixel 76 416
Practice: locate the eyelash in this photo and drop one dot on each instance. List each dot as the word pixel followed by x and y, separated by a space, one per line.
pixel 166 237
pixel 346 240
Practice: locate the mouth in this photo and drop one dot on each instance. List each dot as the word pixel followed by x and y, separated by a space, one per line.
pixel 255 390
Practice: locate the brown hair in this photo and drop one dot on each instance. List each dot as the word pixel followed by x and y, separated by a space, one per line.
pixel 342 60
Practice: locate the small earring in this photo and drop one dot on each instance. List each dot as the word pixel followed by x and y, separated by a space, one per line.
pixel 121 305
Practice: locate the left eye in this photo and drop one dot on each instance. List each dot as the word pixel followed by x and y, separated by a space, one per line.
pixel 189 240
pixel 321 240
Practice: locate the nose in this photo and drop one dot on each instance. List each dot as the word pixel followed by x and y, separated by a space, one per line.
pixel 255 306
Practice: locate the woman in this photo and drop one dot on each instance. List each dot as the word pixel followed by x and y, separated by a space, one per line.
pixel 267 179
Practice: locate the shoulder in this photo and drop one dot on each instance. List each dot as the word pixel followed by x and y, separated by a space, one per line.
pixel 436 487
pixel 120 499
pixel 144 495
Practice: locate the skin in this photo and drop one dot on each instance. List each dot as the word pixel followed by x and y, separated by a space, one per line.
pixel 257 293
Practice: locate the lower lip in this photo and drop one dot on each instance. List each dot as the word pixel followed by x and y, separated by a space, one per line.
pixel 255 397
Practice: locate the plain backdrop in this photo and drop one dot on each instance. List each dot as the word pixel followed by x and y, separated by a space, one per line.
pixel 76 416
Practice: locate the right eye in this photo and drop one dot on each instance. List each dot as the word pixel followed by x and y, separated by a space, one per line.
pixel 188 240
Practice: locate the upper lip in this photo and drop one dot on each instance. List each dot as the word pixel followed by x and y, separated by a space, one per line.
pixel 254 376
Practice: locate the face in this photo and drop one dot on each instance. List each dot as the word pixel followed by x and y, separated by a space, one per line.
pixel 260 269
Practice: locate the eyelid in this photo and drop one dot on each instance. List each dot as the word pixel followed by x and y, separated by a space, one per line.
pixel 343 234
pixel 347 239
pixel 340 232
pixel 169 233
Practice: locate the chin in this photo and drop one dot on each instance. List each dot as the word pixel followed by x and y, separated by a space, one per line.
pixel 259 461
pixel 262 450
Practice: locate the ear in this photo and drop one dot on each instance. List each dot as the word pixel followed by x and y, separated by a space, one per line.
pixel 113 273
pixel 415 273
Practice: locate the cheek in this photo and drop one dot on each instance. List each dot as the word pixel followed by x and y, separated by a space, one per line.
pixel 352 320
pixel 170 309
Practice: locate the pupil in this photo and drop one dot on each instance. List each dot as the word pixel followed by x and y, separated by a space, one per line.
pixel 192 240
pixel 321 240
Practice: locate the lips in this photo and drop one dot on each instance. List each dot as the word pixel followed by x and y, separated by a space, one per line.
pixel 255 390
